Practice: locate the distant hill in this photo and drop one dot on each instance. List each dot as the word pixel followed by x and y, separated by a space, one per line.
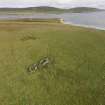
pixel 84 9
pixel 33 9
pixel 50 9
pixel 44 8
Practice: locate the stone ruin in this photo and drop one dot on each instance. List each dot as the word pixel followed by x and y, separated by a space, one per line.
pixel 43 63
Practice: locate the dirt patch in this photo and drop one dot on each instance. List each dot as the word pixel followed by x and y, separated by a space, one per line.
pixel 26 38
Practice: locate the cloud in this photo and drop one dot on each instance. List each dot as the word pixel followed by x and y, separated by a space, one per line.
pixel 57 3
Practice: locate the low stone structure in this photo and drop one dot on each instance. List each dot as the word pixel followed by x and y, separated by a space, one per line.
pixel 62 21
pixel 32 68
pixel 43 63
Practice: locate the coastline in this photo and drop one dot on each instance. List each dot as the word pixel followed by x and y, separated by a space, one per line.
pixel 60 20
pixel 85 26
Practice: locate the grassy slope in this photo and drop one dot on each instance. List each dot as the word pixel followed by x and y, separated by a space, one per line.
pixel 78 77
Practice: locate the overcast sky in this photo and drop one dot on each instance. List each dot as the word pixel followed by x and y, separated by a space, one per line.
pixel 56 3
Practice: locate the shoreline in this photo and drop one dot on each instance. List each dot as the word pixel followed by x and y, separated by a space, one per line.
pixel 60 20
pixel 85 26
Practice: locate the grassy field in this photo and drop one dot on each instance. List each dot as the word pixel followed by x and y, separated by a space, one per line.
pixel 50 20
pixel 77 76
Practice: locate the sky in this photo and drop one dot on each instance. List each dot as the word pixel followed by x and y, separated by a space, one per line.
pixel 55 3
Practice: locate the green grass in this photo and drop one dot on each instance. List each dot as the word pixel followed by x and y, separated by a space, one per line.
pixel 76 78
pixel 51 20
